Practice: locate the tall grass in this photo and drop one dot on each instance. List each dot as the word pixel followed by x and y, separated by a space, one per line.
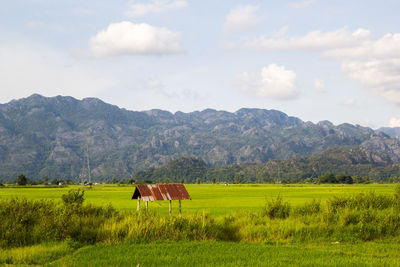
pixel 26 222
pixel 364 216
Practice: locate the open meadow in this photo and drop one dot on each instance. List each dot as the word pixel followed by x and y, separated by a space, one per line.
pixel 235 225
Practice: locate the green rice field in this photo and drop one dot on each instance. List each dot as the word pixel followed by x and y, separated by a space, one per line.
pixel 206 254
pixel 213 199
pixel 217 201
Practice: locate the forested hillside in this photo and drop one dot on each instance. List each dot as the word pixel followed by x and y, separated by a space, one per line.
pixel 42 136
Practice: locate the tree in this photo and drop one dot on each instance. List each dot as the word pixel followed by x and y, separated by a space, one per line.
pixel 213 180
pixel 198 180
pixel 45 180
pixel 22 180
pixel 344 179
pixel 328 178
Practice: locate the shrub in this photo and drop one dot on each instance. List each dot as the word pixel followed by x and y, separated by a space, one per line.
pixel 360 201
pixel 309 208
pixel 396 196
pixel 73 197
pixel 26 222
pixel 276 208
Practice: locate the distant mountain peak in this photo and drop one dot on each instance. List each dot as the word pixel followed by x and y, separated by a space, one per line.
pixel 46 136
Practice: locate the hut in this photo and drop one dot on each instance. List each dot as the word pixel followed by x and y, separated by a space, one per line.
pixel 154 192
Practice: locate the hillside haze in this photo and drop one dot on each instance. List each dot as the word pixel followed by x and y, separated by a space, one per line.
pixel 42 136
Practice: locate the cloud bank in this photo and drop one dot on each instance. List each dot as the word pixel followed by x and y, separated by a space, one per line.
pixel 375 63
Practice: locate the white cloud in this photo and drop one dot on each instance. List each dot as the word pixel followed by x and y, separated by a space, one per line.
pixel 394 122
pixel 272 82
pixel 319 85
pixel 381 75
pixel 126 38
pixel 301 4
pixel 154 7
pixel 315 40
pixel 242 18
pixel 28 68
pixel 373 63
pixel 386 47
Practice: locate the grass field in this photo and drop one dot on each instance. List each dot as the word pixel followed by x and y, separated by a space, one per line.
pixel 206 254
pixel 216 200
pixel 213 199
pixel 234 254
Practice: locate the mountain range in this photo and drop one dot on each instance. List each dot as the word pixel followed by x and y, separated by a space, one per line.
pixel 50 136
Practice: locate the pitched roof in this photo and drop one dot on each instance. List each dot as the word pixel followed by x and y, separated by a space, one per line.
pixel 152 192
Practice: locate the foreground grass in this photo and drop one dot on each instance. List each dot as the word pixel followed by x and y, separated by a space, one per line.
pixel 234 254
pixel 38 254
pixel 206 254
pixel 213 199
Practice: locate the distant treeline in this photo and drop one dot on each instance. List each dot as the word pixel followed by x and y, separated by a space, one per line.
pixel 191 170
pixel 332 166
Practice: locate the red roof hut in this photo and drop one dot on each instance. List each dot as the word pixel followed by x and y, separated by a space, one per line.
pixel 153 192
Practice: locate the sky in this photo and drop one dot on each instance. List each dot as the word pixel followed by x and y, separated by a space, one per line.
pixel 312 59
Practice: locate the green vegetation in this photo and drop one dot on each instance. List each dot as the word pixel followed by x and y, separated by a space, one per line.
pixel 335 166
pixel 364 216
pixel 235 254
pixel 183 170
pixel 36 254
pixel 307 231
pixel 216 199
pixel 21 180
pixel 24 222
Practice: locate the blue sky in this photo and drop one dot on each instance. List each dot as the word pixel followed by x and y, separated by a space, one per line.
pixel 316 60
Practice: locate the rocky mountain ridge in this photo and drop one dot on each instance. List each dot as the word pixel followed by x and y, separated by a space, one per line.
pixel 47 136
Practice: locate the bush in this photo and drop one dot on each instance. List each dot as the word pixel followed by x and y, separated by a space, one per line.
pixel 309 208
pixel 26 222
pixel 361 201
pixel 73 197
pixel 275 208
pixel 396 196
